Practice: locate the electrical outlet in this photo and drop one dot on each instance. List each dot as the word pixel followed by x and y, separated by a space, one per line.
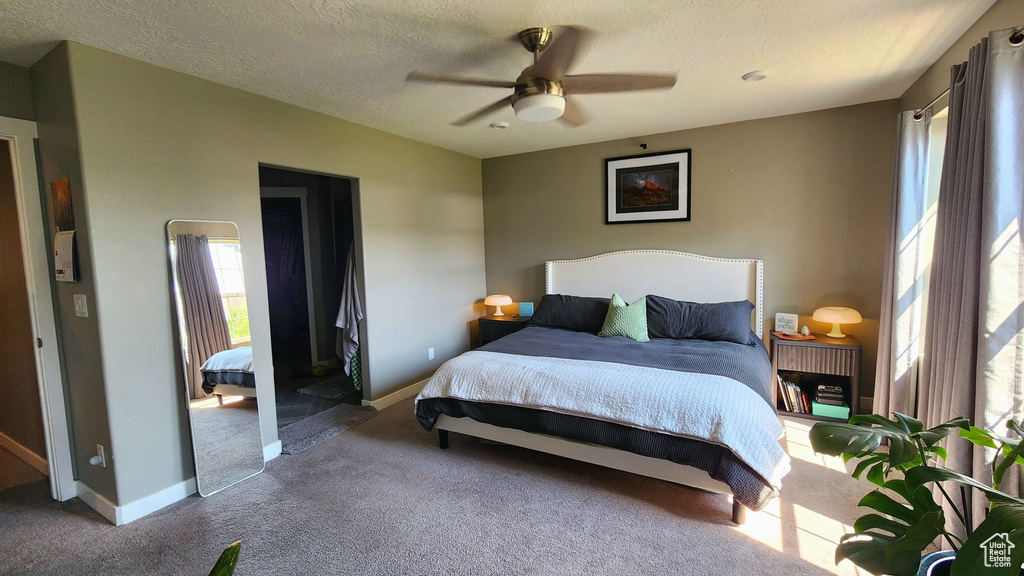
pixel 100 459
pixel 430 353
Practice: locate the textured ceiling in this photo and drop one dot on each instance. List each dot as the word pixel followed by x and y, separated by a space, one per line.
pixel 349 58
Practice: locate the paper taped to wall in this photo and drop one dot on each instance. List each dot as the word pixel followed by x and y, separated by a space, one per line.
pixel 64 256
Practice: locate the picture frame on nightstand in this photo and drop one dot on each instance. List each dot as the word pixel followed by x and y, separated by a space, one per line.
pixel 786 323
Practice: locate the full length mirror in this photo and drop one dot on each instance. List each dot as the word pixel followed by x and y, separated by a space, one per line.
pixel 213 321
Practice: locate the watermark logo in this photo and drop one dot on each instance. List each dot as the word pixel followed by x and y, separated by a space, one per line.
pixel 997 550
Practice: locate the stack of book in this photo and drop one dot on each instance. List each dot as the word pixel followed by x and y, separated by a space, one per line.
pixel 830 401
pixel 793 398
pixel 830 395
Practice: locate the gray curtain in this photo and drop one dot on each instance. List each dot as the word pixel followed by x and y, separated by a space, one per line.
pixel 974 341
pixel 206 326
pixel 899 327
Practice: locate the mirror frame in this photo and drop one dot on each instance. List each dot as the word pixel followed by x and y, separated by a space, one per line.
pixel 180 332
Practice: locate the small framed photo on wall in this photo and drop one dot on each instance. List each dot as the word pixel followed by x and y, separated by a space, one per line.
pixel 648 188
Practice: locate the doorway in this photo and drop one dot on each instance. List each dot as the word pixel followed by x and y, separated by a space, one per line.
pixel 308 242
pixel 22 443
pixel 33 419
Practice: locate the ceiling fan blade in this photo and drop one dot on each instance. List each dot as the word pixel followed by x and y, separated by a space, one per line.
pixel 573 115
pixel 442 79
pixel 556 59
pixel 604 83
pixel 491 109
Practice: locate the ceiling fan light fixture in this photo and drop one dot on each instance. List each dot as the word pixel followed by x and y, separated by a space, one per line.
pixel 539 107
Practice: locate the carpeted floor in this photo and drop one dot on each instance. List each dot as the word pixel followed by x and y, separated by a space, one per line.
pixel 381 498
pixel 228 445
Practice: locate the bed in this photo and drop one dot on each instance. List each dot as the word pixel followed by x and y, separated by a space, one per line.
pixel 229 373
pixel 690 411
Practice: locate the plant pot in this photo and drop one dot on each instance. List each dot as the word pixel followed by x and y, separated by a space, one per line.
pixel 937 563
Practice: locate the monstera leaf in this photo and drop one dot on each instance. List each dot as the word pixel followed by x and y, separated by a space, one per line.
pixel 225 565
pixel 835 439
pixel 988 439
pixel 917 477
pixel 893 541
pixel 906 437
pixel 1005 523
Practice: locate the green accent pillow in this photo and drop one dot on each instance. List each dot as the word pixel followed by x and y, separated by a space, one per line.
pixel 629 320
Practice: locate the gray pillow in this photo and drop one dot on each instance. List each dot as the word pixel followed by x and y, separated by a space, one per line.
pixel 577 313
pixel 722 321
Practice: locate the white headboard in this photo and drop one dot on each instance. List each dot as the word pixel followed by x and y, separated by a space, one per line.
pixel 676 275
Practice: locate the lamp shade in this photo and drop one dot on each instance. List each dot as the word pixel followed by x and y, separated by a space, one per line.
pixel 498 300
pixel 837 315
pixel 539 107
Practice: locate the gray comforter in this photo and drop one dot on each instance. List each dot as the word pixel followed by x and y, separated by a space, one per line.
pixel 747 364
pixel 710 416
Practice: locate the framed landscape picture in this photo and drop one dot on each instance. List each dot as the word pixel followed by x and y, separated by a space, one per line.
pixel 648 188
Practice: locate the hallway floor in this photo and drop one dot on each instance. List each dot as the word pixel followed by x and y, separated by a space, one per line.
pixel 293 405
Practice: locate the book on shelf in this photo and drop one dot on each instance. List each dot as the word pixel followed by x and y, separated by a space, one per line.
pixel 830 401
pixel 783 394
pixel 827 396
pixel 793 398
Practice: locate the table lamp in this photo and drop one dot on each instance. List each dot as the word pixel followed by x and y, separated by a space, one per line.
pixel 498 300
pixel 837 315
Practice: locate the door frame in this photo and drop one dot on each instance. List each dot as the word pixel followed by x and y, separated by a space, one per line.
pixel 22 134
pixel 300 193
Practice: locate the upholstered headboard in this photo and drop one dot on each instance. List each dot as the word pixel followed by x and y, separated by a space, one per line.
pixel 677 275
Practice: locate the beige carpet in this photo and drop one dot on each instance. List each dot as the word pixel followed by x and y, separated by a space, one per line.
pixel 227 441
pixel 381 498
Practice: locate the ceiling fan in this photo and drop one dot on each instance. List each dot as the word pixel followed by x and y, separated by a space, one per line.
pixel 541 93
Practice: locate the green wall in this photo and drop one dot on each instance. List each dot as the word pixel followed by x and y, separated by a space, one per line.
pixel 807 193
pixel 15 92
pixel 81 352
pixel 157 145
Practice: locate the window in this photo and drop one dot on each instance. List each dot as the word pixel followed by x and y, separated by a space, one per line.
pixel 227 265
pixel 936 150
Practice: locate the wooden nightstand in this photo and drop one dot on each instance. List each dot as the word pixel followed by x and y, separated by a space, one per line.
pixel 833 361
pixel 494 327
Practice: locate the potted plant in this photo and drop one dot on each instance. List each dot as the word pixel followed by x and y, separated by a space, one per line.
pixel 225 565
pixel 906 518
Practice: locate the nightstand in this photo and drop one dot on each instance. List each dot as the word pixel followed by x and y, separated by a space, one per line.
pixel 494 327
pixel 824 360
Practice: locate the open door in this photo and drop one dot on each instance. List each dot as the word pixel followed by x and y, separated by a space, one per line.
pixel 20 171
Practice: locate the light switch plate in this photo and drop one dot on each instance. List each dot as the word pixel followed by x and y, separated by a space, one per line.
pixel 81 307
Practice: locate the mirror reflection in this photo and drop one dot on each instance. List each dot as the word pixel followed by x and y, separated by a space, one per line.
pixel 213 319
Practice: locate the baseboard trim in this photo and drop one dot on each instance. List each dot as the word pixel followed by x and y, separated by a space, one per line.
pixel 397 396
pixel 119 515
pixel 272 451
pixel 29 457
pixel 97 502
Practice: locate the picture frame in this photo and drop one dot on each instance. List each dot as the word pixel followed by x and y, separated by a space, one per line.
pixel 787 323
pixel 651 187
